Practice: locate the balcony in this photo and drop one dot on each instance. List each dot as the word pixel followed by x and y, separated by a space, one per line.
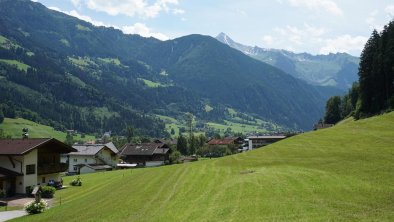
pixel 51 168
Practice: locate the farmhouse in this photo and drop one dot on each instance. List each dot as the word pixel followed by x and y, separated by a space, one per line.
pixel 226 141
pixel 259 141
pixel 28 162
pixel 146 154
pixel 91 158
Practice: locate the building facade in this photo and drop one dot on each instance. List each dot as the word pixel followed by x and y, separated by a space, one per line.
pixel 30 162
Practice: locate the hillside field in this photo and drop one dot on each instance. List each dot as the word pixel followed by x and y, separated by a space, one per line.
pixel 14 128
pixel 345 173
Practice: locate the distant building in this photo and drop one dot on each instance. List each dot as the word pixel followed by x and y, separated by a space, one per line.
pixel 260 141
pixel 146 154
pixel 91 158
pixel 319 126
pixel 226 141
pixel 28 162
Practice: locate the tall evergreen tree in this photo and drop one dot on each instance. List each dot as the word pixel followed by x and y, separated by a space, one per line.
pixel 333 110
pixel 181 145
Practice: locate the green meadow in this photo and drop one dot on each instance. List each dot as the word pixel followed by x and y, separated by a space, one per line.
pixel 13 127
pixel 344 173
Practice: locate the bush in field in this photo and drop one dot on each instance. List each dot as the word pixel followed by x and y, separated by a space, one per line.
pixel 47 191
pixel 36 208
pixel 76 182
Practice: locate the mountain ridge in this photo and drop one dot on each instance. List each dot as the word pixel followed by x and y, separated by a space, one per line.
pixel 337 70
pixel 75 67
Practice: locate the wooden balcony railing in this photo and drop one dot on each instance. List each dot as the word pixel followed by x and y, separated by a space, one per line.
pixel 51 168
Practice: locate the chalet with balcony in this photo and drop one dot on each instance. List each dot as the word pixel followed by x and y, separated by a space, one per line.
pixel 28 162
pixel 146 154
pixel 91 158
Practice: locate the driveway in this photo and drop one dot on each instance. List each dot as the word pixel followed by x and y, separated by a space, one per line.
pixel 8 215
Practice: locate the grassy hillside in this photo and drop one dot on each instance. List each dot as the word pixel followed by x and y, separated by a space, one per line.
pixel 340 174
pixel 14 128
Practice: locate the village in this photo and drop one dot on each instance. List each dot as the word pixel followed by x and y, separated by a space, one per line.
pixel 29 162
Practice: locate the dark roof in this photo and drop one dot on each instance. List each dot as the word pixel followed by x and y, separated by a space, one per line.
pixel 144 149
pixel 4 173
pixel 23 146
pixel 224 141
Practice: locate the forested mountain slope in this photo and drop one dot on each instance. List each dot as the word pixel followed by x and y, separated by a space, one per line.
pixel 65 72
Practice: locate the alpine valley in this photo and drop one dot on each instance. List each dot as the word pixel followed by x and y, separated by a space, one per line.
pixel 64 72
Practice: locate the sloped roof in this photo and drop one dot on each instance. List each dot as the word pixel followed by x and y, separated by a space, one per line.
pixel 93 149
pixel 144 149
pixel 23 146
pixel 224 141
pixel 112 147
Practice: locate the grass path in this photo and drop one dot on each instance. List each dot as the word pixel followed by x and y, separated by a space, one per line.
pixel 345 173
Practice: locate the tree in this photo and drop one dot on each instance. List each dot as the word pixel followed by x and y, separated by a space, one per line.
pixel 181 145
pixel 129 133
pixel 333 110
pixel 69 139
pixel 189 120
pixel 193 144
pixel 1 116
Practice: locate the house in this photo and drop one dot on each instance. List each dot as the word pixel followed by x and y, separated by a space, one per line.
pixel 91 158
pixel 227 141
pixel 146 154
pixel 28 162
pixel 319 126
pixel 259 141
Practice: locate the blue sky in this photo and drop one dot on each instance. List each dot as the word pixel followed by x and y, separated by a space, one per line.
pixel 314 26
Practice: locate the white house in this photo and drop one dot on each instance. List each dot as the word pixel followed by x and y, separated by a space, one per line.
pixel 29 162
pixel 91 158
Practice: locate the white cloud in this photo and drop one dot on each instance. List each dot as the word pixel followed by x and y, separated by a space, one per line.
pixel 301 36
pixel 144 31
pixel 389 10
pixel 317 5
pixel 344 43
pixel 268 40
pixel 132 8
pixel 137 28
pixel 76 3
pixel 371 21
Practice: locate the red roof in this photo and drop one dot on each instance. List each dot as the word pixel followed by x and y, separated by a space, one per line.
pixel 224 141
pixel 22 146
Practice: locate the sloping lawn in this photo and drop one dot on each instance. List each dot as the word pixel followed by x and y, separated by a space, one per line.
pixel 13 127
pixel 345 173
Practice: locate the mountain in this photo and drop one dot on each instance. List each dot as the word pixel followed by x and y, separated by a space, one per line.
pixel 67 73
pixel 337 70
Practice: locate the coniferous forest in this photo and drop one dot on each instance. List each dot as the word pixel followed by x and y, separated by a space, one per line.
pixel 374 92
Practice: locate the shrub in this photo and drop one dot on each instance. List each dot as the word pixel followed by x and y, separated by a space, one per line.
pixel 36 208
pixel 76 182
pixel 47 191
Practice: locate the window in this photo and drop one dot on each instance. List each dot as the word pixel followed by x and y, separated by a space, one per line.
pixel 30 169
pixel 86 160
pixel 75 168
pixel 75 160
pixel 43 180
